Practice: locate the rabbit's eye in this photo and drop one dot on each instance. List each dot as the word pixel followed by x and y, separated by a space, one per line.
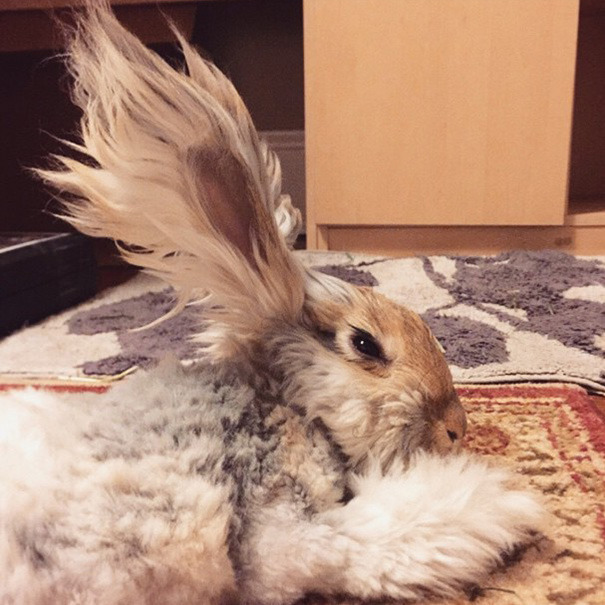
pixel 366 344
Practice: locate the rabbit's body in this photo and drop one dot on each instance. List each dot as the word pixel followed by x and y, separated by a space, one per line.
pixel 129 497
pixel 310 475
pixel 189 486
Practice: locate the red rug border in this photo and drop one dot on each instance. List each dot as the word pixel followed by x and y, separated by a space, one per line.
pixel 575 396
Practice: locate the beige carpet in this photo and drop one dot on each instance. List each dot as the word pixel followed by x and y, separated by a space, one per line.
pixel 554 439
pixel 519 316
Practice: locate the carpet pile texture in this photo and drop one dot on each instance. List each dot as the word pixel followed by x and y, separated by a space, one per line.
pixel 553 439
pixel 519 316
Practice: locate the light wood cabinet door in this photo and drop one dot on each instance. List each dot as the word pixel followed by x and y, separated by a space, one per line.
pixel 438 112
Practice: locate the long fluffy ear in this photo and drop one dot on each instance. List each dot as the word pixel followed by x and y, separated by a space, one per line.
pixel 174 171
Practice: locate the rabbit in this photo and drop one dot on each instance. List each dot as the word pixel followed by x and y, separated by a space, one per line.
pixel 317 447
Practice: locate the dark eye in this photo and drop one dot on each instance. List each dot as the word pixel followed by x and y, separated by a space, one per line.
pixel 366 344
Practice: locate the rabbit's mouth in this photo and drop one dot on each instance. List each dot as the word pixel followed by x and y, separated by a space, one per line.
pixel 449 427
pixel 433 426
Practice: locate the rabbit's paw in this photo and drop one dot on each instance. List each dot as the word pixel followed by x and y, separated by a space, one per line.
pixel 440 524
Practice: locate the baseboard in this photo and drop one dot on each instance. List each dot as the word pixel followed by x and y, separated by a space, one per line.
pixel 413 240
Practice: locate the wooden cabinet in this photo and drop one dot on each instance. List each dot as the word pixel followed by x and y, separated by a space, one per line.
pixel 425 115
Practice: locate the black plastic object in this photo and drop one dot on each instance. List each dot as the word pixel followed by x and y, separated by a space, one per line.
pixel 42 274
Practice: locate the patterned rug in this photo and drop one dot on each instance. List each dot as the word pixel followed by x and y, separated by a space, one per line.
pixel 519 316
pixel 553 439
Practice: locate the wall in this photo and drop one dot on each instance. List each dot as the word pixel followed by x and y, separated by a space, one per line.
pixel 587 168
pixel 258 43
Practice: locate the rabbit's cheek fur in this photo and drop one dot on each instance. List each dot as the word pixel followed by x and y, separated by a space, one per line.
pixel 389 403
pixel 345 399
pixel 385 426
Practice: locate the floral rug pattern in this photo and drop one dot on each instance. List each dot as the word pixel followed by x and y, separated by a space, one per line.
pixel 519 316
pixel 553 440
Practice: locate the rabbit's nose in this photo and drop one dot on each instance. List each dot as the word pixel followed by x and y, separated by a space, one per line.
pixel 451 429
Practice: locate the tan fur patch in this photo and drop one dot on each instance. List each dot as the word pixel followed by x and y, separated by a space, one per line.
pixel 301 459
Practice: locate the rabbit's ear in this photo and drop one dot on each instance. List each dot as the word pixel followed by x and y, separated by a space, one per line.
pixel 227 197
pixel 173 169
pixel 289 220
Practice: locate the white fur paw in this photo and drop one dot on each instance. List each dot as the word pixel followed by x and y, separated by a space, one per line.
pixel 440 524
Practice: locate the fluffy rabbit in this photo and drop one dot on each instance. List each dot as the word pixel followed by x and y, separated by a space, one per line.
pixel 317 448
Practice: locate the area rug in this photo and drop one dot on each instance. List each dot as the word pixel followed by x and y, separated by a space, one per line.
pixel 553 440
pixel 552 437
pixel 519 316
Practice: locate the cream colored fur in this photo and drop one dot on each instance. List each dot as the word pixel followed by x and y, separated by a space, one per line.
pixel 90 517
pixel 230 483
pixel 429 529
pixel 107 527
